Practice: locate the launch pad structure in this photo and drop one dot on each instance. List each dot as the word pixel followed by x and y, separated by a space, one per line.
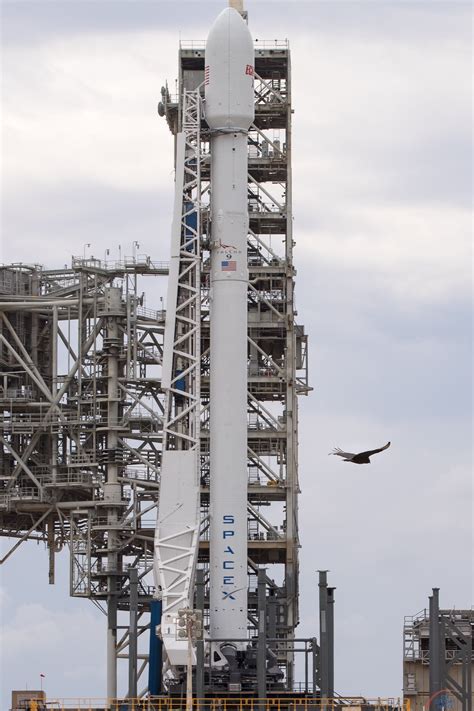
pixel 161 446
pixel 81 430
pixel 85 414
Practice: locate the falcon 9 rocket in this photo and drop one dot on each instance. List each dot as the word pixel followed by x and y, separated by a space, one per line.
pixel 229 112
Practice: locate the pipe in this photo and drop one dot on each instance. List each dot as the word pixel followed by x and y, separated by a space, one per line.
pixel 323 635
pixel 200 642
pixel 330 621
pixel 42 304
pixel 155 660
pixel 133 634
pixel 112 487
pixel 262 635
pixel 435 644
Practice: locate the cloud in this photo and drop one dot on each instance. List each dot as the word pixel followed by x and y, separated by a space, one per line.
pixel 382 189
pixel 85 212
pixel 388 532
pixel 419 254
pixel 64 645
pixel 87 108
pixel 38 23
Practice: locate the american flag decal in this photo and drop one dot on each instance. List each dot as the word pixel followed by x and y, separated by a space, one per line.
pixel 207 72
pixel 227 266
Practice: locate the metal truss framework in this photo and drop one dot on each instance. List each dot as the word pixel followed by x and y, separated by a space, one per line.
pixel 83 403
pixel 182 410
pixel 176 547
pixel 277 345
pixel 81 431
pixel 438 658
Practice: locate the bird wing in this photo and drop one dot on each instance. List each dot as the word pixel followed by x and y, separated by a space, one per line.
pixel 339 453
pixel 374 451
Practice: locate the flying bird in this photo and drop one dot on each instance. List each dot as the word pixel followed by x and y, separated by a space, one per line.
pixel 361 457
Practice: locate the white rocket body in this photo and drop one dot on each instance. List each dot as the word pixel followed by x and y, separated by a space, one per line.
pixel 229 111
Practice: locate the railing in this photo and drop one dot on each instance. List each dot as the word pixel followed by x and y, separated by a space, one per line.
pixel 423 656
pixel 141 474
pixel 258 44
pixel 271 44
pixel 48 419
pixel 25 393
pixel 252 535
pixel 275 703
pixel 151 314
pixel 193 44
pixel 139 262
pixel 25 494
pixel 139 412
pixel 45 477
pixel 421 616
pixel 263 207
pixel 79 459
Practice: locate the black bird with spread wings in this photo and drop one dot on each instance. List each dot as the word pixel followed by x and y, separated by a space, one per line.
pixel 361 457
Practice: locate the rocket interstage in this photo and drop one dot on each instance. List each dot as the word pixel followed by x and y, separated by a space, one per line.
pixel 229 112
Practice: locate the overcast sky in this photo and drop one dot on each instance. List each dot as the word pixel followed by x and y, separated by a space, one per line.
pixel 382 203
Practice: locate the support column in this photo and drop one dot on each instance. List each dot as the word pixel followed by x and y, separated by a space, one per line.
pixel 435 644
pixel 330 625
pixel 272 603
pixel 262 636
pixel 112 487
pixel 111 649
pixel 155 650
pixel 315 663
pixel 200 642
pixel 54 441
pixel 51 549
pixel 323 635
pixel 132 634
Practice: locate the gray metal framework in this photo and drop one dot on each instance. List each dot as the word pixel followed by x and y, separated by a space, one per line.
pixel 83 407
pixel 438 658
pixel 278 366
pixel 81 431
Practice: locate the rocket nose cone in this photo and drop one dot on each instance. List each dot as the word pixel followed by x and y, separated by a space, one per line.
pixel 229 20
pixel 229 72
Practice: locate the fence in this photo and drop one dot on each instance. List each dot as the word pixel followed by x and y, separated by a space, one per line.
pixel 276 703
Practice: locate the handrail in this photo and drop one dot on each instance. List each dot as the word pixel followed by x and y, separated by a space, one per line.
pixel 280 702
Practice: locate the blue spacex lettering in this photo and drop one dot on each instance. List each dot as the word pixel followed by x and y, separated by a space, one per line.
pixel 229 560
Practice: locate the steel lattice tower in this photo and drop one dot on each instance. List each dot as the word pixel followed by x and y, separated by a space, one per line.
pixel 277 345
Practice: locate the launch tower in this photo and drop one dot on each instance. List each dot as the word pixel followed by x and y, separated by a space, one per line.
pixel 275 355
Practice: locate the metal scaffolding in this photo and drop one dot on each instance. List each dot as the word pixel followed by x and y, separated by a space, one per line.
pixel 80 363
pixel 438 658
pixel 277 345
pixel 83 404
